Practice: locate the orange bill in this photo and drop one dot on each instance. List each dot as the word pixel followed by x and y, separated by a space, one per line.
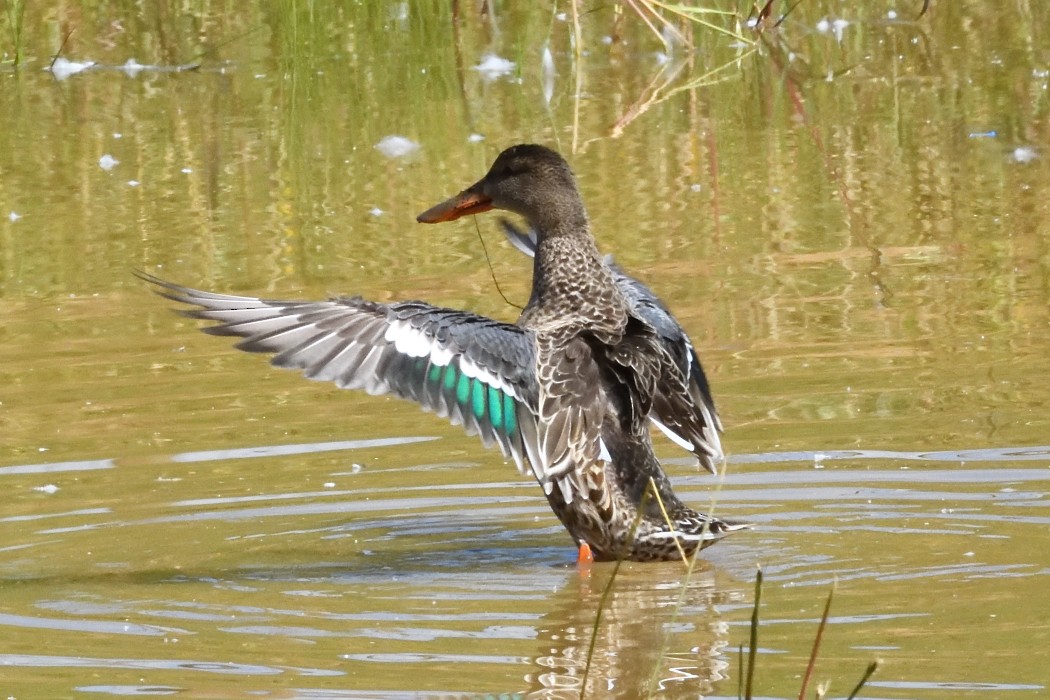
pixel 464 203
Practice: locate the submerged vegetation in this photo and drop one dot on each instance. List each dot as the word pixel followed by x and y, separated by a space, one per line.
pixel 745 676
pixel 746 679
pixel 15 11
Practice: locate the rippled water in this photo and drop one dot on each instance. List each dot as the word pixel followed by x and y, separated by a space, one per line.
pixel 365 576
pixel 849 220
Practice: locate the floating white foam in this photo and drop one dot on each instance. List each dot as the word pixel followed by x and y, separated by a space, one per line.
pixel 396 146
pixel 493 66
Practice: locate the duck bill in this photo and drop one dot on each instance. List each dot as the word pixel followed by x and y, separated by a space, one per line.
pixel 469 201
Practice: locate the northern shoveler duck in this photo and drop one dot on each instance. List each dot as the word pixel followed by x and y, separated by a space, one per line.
pixel 567 392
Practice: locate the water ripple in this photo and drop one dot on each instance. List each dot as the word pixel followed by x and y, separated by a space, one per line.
pixel 93 626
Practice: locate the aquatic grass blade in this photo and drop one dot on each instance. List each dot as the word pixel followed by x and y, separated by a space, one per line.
pixel 606 592
pixel 753 651
pixel 872 667
pixel 690 13
pixel 740 672
pixel 667 519
pixel 690 564
pixel 15 18
pixel 816 645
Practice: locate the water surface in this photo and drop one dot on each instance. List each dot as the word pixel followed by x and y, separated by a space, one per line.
pixel 850 222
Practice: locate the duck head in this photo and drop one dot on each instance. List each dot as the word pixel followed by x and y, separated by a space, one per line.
pixel 526 179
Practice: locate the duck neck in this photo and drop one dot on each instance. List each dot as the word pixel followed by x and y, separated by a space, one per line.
pixel 564 252
pixel 571 285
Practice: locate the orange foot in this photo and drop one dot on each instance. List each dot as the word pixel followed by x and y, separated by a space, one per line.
pixel 585 556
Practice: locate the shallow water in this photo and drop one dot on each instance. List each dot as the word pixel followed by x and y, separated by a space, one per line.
pixel 861 259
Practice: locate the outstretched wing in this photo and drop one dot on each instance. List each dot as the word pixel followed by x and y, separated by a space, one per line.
pixel 683 407
pixel 473 370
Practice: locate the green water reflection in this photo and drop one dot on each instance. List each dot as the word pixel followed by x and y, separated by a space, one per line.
pixel 854 230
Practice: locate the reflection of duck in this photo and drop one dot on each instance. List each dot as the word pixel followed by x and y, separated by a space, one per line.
pixel 567 392
pixel 660 635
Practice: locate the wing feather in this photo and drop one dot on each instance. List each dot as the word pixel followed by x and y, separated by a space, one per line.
pixel 571 408
pixel 476 372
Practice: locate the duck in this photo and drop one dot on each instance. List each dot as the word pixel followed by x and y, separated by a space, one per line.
pixel 568 392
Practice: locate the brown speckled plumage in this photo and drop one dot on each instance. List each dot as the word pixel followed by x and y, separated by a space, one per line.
pixel 601 372
pixel 568 392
